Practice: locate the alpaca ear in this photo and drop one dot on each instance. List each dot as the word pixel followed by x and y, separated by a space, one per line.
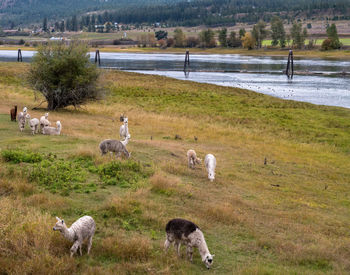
pixel 58 219
pixel 213 255
pixel 62 221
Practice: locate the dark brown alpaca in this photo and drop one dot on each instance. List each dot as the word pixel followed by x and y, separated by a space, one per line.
pixel 13 113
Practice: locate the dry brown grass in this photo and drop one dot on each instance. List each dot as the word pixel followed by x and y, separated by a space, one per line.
pixel 29 247
pixel 126 247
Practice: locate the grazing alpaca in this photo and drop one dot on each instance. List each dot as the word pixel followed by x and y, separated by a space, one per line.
pixel 112 145
pixel 124 129
pixel 13 113
pixel 186 232
pixel 81 230
pixel 192 159
pixel 44 122
pixel 52 130
pixel 210 164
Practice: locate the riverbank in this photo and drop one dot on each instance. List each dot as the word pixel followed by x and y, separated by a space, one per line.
pixel 279 202
pixel 336 54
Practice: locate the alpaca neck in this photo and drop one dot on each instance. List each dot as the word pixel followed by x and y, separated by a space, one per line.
pixel 68 233
pixel 203 248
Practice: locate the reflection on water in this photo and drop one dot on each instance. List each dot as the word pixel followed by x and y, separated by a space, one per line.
pixel 314 89
pixel 264 73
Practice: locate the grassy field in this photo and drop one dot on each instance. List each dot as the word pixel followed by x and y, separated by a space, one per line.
pixel 290 215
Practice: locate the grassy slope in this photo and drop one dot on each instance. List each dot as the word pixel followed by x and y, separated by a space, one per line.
pixel 300 227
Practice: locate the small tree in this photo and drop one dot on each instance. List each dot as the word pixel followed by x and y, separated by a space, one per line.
pixel 259 33
pixel 248 41
pixel 161 35
pixel 333 37
pixel 242 33
pixel 223 37
pixel 298 35
pixel 232 41
pixel 207 38
pixel 179 38
pixel 278 34
pixel 45 25
pixel 64 75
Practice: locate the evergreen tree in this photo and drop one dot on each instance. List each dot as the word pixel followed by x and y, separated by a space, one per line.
pixel 45 25
pixel 68 25
pixel 332 42
pixel 242 32
pixel 259 33
pixel 233 41
pixel 74 23
pixel 278 33
pixel 62 27
pixel 298 35
pixel 207 38
pixel 223 37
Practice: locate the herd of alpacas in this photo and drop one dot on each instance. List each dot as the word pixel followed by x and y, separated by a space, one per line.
pixel 178 231
pixel 35 124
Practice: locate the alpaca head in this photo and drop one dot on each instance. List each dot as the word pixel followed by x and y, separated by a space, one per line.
pixel 208 260
pixel 25 110
pixel 125 120
pixel 211 176
pixel 27 116
pixel 58 124
pixel 198 160
pixel 46 115
pixel 60 225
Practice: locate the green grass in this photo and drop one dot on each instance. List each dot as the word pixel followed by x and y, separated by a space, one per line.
pixel 289 216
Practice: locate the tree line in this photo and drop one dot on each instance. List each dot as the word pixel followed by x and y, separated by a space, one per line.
pixel 253 39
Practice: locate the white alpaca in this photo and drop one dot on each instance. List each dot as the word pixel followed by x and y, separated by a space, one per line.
pixel 81 230
pixel 186 232
pixel 52 130
pixel 33 124
pixel 192 158
pixel 124 129
pixel 126 141
pixel 44 122
pixel 21 121
pixel 210 164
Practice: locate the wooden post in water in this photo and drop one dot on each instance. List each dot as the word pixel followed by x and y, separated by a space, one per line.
pixel 290 65
pixel 19 56
pixel 187 61
pixel 97 57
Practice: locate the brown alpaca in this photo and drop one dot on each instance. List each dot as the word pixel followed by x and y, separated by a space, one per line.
pixel 13 113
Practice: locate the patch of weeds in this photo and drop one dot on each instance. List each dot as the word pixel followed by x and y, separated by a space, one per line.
pixel 60 176
pixel 18 156
pixel 123 173
pixel 86 162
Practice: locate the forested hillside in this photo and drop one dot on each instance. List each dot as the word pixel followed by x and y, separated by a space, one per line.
pixel 211 12
pixel 172 12
pixel 19 12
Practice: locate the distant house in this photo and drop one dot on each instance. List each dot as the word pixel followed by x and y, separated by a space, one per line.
pixel 56 38
pixel 99 28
